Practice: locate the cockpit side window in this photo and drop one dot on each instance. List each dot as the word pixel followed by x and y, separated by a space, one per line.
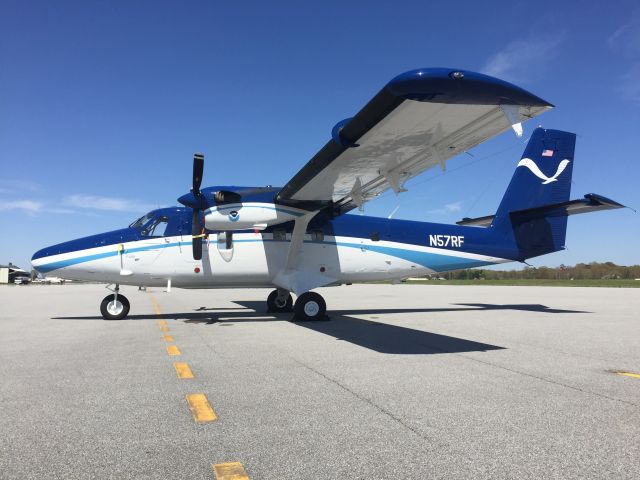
pixel 157 228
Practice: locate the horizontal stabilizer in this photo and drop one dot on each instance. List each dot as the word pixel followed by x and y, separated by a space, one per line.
pixel 477 222
pixel 590 203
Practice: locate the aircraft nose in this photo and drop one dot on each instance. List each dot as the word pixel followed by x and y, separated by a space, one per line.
pixel 67 253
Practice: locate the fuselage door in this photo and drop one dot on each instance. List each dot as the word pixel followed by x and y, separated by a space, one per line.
pixel 151 246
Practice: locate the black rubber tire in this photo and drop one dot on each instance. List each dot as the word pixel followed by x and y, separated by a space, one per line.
pixel 310 306
pixel 122 314
pixel 272 305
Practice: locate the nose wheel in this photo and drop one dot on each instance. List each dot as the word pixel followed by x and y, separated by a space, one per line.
pixel 114 307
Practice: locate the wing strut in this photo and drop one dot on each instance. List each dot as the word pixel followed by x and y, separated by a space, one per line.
pixel 292 278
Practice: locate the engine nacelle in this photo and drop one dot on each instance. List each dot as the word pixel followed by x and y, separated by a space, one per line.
pixel 249 216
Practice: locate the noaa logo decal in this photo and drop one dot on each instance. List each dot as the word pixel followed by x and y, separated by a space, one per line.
pixel 531 165
pixel 234 216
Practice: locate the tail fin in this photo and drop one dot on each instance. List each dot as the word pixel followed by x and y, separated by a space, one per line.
pixel 542 177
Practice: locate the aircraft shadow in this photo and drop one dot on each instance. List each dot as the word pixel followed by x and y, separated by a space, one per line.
pixel 343 326
pixel 394 339
pixel 377 336
pixel 472 307
pixel 523 307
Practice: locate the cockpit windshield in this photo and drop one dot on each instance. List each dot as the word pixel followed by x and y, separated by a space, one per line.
pixel 142 221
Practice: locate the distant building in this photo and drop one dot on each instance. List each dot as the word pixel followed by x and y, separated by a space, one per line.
pixel 9 273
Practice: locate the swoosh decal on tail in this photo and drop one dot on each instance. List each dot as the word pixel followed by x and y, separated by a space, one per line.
pixel 531 165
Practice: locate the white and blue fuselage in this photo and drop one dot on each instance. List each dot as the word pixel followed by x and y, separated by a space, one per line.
pixel 349 248
pixel 300 237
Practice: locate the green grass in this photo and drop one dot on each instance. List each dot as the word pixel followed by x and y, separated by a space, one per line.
pixel 536 283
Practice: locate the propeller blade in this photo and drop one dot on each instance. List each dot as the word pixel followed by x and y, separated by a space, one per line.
pixel 196 236
pixel 198 167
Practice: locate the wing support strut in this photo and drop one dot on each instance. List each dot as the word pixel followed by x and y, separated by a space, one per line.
pixel 294 277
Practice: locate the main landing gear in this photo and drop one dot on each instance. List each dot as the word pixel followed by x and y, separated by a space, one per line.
pixel 115 306
pixel 309 306
pixel 279 301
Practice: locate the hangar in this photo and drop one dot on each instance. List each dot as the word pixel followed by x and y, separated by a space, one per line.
pixel 9 273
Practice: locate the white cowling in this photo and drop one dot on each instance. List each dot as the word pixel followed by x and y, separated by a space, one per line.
pixel 249 216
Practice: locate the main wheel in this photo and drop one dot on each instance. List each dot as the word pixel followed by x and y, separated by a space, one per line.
pixel 310 306
pixel 276 305
pixel 114 310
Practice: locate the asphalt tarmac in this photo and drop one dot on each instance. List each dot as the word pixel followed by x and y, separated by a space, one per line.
pixel 403 381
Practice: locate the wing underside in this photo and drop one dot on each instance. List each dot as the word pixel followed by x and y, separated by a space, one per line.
pixel 415 123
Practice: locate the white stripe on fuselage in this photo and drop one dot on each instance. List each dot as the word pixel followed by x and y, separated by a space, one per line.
pixel 257 258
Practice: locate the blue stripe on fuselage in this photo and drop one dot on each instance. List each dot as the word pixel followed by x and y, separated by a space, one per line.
pixel 48 267
pixel 477 240
pixel 434 261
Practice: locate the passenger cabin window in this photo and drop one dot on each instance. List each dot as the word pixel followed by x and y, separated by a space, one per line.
pixel 317 235
pixel 375 236
pixel 280 234
pixel 225 245
pixel 225 240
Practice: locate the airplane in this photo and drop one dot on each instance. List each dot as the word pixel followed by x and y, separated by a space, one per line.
pixel 300 236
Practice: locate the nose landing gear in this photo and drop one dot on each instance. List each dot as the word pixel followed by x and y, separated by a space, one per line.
pixel 115 306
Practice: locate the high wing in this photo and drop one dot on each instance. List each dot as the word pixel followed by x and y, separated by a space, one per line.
pixel 419 120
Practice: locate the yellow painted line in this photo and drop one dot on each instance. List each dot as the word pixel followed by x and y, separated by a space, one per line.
pixel 629 374
pixel 167 338
pixel 183 370
pixel 164 329
pixel 154 303
pixel 230 471
pixel 162 322
pixel 200 408
pixel 173 350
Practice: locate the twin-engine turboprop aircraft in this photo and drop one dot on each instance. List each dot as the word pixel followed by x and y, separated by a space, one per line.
pixel 298 237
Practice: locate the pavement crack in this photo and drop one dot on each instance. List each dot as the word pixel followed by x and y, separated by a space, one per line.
pixel 371 403
pixel 548 380
pixel 537 377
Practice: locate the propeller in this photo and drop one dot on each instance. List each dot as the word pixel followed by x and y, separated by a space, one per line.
pixel 197 202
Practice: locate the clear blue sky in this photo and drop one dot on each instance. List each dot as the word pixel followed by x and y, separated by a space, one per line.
pixel 102 104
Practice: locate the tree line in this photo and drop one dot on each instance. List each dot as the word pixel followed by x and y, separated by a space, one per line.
pixel 580 271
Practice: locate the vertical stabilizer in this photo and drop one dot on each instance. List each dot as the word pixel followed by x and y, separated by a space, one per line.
pixel 542 177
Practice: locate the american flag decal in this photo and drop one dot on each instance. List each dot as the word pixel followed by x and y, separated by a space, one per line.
pixel 547 153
